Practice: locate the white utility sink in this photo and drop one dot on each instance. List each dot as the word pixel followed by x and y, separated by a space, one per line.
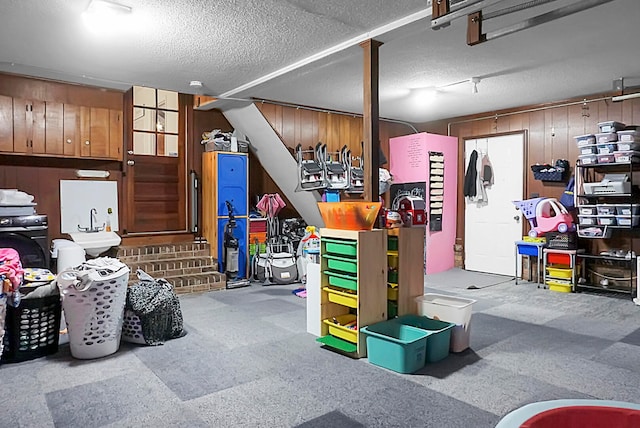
pixel 96 243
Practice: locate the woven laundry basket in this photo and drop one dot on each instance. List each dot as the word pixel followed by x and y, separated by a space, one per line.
pixel 93 300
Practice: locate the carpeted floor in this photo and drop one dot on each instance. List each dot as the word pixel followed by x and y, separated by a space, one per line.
pixel 247 361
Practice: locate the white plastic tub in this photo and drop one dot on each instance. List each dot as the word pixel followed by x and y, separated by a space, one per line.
pixel 628 220
pixel 628 136
pixel 451 309
pixel 588 159
pixel 627 209
pixel 611 126
pixel 607 137
pixel 587 210
pixel 588 220
pixel 584 140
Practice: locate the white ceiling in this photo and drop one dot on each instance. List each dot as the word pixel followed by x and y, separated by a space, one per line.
pixel 250 48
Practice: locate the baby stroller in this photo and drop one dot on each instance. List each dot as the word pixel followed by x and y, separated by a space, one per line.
pixel 278 264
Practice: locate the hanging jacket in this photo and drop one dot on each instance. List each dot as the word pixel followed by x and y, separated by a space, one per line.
pixel 471 176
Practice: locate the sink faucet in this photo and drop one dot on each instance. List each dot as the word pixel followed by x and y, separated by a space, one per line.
pixel 92 219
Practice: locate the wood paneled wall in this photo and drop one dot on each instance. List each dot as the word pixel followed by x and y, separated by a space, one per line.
pixel 308 127
pixel 550 131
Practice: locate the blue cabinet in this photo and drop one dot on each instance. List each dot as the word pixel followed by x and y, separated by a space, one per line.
pixel 225 178
pixel 232 183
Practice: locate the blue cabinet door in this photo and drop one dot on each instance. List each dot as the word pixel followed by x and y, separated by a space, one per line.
pixel 240 232
pixel 232 183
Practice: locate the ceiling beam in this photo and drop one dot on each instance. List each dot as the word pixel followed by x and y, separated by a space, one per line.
pixel 355 41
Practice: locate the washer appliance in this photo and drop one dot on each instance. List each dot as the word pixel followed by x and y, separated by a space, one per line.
pixel 29 235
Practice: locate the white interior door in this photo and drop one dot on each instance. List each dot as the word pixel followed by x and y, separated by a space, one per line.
pixel 491 228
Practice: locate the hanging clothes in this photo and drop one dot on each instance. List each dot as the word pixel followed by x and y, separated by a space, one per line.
pixel 470 177
pixel 486 171
pixel 481 192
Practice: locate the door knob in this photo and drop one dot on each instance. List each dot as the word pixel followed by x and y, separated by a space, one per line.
pixel 130 163
pixel 516 217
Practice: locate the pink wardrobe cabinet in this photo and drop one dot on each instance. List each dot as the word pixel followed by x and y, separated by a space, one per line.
pixel 425 165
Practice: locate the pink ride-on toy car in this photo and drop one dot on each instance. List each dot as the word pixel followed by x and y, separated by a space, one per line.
pixel 545 215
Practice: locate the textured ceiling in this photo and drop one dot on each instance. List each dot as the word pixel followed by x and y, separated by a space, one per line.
pixel 236 47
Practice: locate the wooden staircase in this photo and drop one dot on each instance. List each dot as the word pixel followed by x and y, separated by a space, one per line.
pixel 188 266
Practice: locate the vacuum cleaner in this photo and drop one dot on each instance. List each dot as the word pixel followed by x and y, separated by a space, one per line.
pixel 231 245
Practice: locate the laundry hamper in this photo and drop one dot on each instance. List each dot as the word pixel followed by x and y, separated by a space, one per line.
pixel 132 328
pixel 93 299
pixel 32 329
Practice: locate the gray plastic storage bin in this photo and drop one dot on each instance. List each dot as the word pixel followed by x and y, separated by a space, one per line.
pixel 630 136
pixel 611 126
pixel 585 140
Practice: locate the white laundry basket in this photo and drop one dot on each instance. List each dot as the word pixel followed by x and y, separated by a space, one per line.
pixel 93 299
pixel 132 328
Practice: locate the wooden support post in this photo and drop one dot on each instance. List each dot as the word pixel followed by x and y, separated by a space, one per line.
pixel 474 29
pixel 439 8
pixel 371 131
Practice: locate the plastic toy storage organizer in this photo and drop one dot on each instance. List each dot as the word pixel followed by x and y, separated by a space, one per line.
pixel 354 286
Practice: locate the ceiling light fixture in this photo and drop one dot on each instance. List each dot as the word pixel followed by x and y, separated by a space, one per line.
pixel 102 16
pixel 104 7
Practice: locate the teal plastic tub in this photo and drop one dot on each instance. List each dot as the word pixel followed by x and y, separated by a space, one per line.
pixel 439 339
pixel 396 346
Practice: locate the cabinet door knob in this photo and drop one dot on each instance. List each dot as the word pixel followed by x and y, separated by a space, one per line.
pixel 516 217
pixel 86 143
pixel 130 163
pixel 68 140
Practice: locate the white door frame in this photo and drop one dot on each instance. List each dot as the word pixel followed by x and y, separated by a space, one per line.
pixel 524 184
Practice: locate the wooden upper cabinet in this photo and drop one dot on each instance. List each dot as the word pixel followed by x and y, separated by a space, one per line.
pixel 6 124
pixel 28 126
pixel 71 131
pixel 54 128
pixel 100 132
pixel 99 128
pixel 57 119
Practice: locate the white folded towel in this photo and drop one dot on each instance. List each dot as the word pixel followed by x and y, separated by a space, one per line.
pixel 15 197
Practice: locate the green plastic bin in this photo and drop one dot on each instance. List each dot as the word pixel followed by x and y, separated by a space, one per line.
pixel 341 263
pixel 439 338
pixel 392 243
pixel 342 280
pixel 396 346
pixel 340 247
pixel 392 309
